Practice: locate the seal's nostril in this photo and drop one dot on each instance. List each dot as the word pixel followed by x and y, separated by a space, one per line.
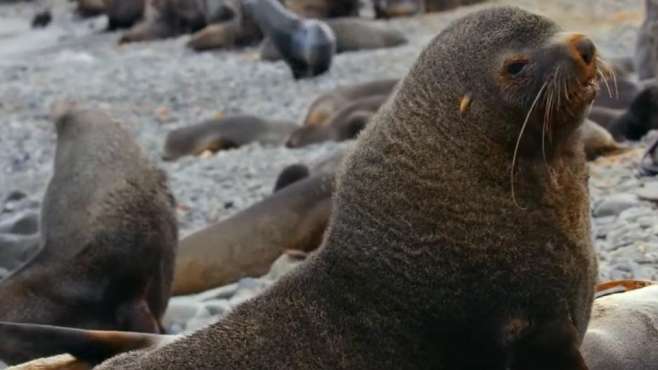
pixel 586 50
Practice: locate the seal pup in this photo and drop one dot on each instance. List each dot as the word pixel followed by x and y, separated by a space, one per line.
pixel 344 125
pixel 229 26
pixel 646 59
pixel 247 243
pixel 598 141
pixel 306 45
pixel 418 277
pixel 123 13
pixel 639 118
pixel 106 206
pixel 352 34
pixel 397 8
pixel 329 103
pixel 225 133
pixel 90 8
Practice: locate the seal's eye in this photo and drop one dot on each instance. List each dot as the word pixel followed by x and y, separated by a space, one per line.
pixel 515 67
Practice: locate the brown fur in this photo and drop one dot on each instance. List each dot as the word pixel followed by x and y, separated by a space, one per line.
pixel 442 5
pixel 323 8
pixel 352 34
pixel 247 243
pixel 90 8
pixel 225 133
pixel 343 125
pixel 428 262
pixel 623 332
pixel 328 104
pixel 123 13
pixel 108 238
pixel 646 47
pixel 397 8
pixel 598 141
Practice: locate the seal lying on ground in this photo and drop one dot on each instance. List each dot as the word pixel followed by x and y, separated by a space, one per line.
pixel 306 45
pixel 123 13
pixel 108 237
pixel 418 277
pixel 344 125
pixel 352 34
pixel 225 133
pixel 329 103
pixel 397 8
pixel 640 117
pixel 324 8
pixel 247 243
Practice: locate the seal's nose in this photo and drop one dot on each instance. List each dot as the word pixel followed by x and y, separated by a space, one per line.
pixel 585 49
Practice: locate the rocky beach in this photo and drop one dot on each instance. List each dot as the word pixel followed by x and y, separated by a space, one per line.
pixel 155 87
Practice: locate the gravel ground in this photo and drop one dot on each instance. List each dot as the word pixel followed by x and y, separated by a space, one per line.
pixel 155 87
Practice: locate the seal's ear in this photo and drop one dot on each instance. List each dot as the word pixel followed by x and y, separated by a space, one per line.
pixel 290 175
pixel 552 346
pixel 92 346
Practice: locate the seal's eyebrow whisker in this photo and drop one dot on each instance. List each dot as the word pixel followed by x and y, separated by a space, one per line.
pixel 518 140
pixel 603 78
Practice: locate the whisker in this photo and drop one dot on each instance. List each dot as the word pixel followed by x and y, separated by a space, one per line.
pixel 518 141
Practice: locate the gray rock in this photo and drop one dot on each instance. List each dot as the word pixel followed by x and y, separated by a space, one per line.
pixel 649 191
pixel 23 223
pixel 179 312
pixel 16 249
pixel 224 292
pixel 615 204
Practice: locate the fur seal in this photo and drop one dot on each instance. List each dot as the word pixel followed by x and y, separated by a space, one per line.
pixel 352 34
pixel 324 8
pixel 344 125
pixel 229 26
pixel 225 133
pixel 598 141
pixel 640 117
pixel 306 45
pixel 105 206
pixel 170 18
pixel 646 46
pixel 418 277
pixel 328 104
pixel 123 13
pixel 90 8
pixel 247 243
pixel 442 5
pixel 397 8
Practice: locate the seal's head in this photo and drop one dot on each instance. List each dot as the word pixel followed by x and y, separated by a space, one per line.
pixel 507 65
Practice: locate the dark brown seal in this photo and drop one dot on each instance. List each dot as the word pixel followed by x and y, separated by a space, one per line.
pixel 90 8
pixel 442 5
pixel 344 125
pixel 307 46
pixel 323 8
pixel 225 133
pixel 123 13
pixel 329 103
pixel 598 141
pixel 418 268
pixel 646 47
pixel 397 8
pixel 352 34
pixel 108 237
pixel 247 243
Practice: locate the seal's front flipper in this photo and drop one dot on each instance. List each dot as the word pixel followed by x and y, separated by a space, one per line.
pixel 24 342
pixel 553 345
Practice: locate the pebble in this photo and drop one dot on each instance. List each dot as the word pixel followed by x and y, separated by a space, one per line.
pixel 613 205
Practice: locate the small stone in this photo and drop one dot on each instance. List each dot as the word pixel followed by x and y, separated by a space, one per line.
pixel 649 191
pixel 615 204
pixel 180 311
pixel 224 292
